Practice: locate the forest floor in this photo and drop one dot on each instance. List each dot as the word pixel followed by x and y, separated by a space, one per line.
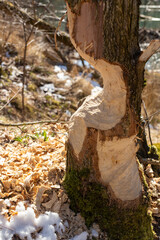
pixel 32 196
pixel 33 203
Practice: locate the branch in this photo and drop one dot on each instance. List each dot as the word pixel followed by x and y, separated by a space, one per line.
pixel 10 99
pixel 10 9
pixel 149 161
pixel 27 123
pixel 152 115
pixel 149 132
pixel 142 16
pixel 2 226
pixel 55 34
pixel 150 50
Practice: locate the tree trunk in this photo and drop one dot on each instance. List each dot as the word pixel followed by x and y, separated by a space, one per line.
pixel 103 178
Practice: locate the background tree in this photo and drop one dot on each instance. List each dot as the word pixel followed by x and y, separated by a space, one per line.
pixel 103 177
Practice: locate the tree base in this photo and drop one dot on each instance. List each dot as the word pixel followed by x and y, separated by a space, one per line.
pixel 96 205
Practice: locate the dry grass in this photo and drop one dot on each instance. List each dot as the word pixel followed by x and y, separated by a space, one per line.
pixel 11 32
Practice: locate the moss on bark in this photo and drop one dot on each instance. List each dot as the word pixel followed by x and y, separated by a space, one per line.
pixel 92 200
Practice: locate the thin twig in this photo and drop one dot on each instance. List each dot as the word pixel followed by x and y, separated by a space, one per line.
pixel 57 51
pixel 29 123
pixel 150 50
pixel 149 161
pixel 10 99
pixel 41 24
pixel 152 115
pixel 147 122
pixel 26 41
pixel 2 226
pixel 55 34
pixel 2 184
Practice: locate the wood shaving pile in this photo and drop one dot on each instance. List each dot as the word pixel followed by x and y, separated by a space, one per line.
pixel 32 165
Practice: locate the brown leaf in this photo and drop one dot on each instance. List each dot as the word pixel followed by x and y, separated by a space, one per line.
pixel 40 192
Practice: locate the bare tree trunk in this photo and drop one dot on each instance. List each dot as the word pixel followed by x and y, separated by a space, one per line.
pixel 103 178
pixel 23 80
pixel 27 36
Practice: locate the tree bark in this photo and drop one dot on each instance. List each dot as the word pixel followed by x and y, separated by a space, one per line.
pixel 103 178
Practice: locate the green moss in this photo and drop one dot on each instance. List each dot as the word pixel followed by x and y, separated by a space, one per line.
pixel 147 196
pixel 92 200
pixel 157 145
pixel 30 109
pixel 51 102
pixel 3 73
pixel 32 86
pixel 17 102
pixel 34 76
pixel 41 70
pixel 154 151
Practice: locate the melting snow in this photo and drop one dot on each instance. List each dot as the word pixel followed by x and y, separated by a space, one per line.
pixel 48 88
pixel 60 68
pixel 62 76
pixel 82 236
pixel 95 90
pixel 94 233
pixel 25 223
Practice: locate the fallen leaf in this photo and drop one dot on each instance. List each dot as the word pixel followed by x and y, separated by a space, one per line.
pixel 39 194
pixel 50 203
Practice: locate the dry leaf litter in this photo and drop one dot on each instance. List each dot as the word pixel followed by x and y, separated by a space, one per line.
pixel 33 203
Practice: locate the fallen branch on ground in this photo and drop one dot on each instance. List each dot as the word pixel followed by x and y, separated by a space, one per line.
pixel 12 10
pixel 29 123
pixel 10 99
pixel 151 161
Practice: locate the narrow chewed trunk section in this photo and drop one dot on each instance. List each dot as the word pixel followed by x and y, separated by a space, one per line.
pixel 108 112
pixel 103 179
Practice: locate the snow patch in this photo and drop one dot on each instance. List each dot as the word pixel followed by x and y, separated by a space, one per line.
pixel 94 233
pixel 25 223
pixel 82 236
pixel 62 76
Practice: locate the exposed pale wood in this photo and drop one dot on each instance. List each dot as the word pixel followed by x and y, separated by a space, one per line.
pixel 104 112
pixel 118 167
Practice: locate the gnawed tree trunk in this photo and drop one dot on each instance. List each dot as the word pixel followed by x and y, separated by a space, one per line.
pixel 103 178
